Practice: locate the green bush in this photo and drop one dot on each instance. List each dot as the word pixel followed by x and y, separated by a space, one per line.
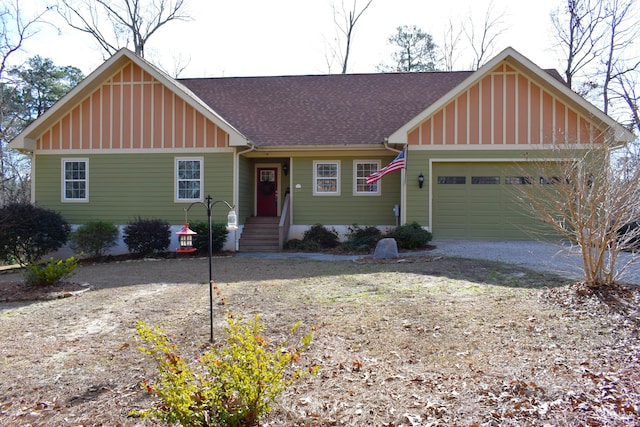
pixel 94 238
pixel 219 236
pixel 27 233
pixel 147 236
pixel 50 273
pixel 411 236
pixel 321 236
pixel 232 386
pixel 362 239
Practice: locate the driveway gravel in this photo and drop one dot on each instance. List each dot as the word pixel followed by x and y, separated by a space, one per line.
pixel 558 257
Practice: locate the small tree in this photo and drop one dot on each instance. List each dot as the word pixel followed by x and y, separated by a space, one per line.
pixel 27 233
pixel 586 201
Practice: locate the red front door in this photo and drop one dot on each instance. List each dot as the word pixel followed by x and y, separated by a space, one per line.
pixel 267 187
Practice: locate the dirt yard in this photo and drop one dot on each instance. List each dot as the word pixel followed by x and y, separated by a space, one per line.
pixel 424 342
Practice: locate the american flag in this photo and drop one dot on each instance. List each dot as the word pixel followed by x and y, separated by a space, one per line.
pixel 396 164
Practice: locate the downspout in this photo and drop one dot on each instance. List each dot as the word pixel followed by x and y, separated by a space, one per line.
pixel 236 190
pixel 403 183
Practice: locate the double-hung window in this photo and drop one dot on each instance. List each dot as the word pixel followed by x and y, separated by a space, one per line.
pixel 326 178
pixel 75 180
pixel 361 170
pixel 189 179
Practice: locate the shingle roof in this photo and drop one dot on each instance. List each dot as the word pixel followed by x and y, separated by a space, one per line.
pixel 322 109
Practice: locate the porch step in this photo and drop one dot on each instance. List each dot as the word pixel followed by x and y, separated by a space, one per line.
pixel 260 234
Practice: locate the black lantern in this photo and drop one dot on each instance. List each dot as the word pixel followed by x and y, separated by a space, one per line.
pixel 285 169
pixel 420 180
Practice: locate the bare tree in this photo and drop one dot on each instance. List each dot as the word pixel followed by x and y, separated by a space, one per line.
pixel 128 21
pixel 576 192
pixel 345 22
pixel 15 29
pixel 578 30
pixel 483 41
pixel 449 47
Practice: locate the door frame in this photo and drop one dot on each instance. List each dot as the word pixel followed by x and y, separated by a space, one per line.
pixel 278 168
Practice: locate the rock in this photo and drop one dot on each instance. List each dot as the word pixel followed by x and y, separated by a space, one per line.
pixel 386 248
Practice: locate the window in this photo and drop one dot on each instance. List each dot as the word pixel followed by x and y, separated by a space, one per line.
pixel 518 180
pixel 75 180
pixel 485 180
pixel 326 177
pixel 189 179
pixel 361 170
pixel 452 180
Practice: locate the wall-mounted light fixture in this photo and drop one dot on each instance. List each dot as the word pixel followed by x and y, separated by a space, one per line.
pixel 285 169
pixel 420 180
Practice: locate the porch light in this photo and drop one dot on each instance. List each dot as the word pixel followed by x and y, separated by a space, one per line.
pixel 420 180
pixel 185 238
pixel 285 169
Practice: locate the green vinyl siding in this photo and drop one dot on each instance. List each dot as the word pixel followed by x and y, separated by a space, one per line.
pixel 246 195
pixel 123 187
pixel 345 208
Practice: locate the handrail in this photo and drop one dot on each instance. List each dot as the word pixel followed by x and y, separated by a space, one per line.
pixel 283 226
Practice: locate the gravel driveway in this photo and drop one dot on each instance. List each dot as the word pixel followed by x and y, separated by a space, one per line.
pixel 557 257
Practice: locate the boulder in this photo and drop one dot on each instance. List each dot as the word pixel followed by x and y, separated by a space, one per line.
pixel 386 248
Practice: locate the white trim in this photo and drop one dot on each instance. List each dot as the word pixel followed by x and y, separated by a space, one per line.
pixel 176 199
pixel 354 190
pixel 63 162
pixel 498 147
pixel 193 150
pixel 338 183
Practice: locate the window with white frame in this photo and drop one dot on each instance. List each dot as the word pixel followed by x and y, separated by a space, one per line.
pixel 75 180
pixel 326 177
pixel 188 179
pixel 361 170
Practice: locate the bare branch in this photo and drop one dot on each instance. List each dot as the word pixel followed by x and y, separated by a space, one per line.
pixel 345 21
pixel 484 43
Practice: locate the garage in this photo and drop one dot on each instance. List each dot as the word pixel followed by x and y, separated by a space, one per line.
pixel 478 200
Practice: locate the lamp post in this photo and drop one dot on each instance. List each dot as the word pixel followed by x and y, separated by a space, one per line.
pixel 185 239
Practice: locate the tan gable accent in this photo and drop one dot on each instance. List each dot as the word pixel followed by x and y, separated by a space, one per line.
pixel 132 110
pixel 505 107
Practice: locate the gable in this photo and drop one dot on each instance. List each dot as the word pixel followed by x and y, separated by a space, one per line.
pixel 148 109
pixel 506 107
pixel 131 110
pixel 510 102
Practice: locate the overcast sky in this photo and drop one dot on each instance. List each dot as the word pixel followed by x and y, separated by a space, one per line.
pixel 285 37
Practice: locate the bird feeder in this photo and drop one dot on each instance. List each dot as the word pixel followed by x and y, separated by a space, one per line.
pixel 185 238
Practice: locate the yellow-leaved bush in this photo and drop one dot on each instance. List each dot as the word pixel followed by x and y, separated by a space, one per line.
pixel 231 386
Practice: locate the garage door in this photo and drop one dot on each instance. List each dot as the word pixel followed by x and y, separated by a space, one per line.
pixel 478 201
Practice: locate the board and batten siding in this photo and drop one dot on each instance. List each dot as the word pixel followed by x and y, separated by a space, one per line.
pixel 123 187
pixel 132 111
pixel 508 108
pixel 347 208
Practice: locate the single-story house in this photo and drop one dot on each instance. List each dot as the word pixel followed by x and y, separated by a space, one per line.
pixel 289 152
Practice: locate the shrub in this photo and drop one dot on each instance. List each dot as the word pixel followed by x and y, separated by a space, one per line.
pixel 27 233
pixel 321 236
pixel 147 236
pixel 50 273
pixel 235 385
pixel 411 236
pixel 94 238
pixel 219 236
pixel 362 239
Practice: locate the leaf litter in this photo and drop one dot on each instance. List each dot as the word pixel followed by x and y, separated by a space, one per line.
pixel 423 342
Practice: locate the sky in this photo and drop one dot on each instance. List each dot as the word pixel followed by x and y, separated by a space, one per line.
pixel 291 37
